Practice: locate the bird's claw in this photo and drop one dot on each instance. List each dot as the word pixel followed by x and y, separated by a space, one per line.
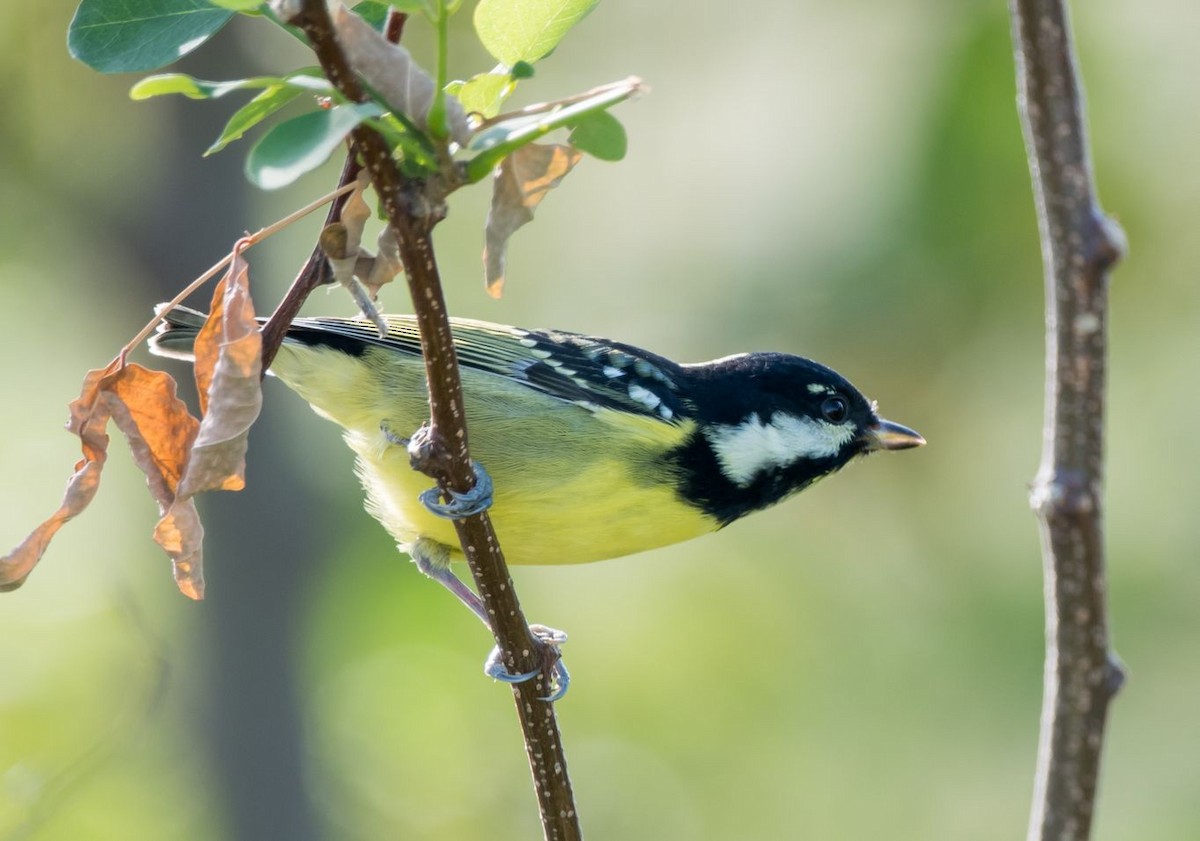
pixel 550 639
pixel 392 437
pixel 461 505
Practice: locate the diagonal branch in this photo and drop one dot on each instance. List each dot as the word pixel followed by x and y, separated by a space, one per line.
pixel 414 207
pixel 314 273
pixel 1080 245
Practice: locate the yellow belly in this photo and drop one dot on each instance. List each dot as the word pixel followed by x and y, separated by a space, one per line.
pixel 571 517
pixel 571 485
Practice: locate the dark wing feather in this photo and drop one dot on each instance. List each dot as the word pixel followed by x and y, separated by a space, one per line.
pixel 584 370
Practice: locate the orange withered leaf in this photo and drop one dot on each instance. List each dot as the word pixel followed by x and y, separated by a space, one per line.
pixel 522 180
pixel 161 435
pixel 179 455
pixel 228 376
pixel 89 420
pixel 156 424
pixel 181 536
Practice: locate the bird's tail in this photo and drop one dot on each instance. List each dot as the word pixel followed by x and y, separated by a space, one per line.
pixel 176 332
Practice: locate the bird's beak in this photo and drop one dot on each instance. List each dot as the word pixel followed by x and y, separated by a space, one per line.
pixel 886 435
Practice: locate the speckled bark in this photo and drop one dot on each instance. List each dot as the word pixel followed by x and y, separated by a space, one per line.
pixel 1080 245
pixel 413 207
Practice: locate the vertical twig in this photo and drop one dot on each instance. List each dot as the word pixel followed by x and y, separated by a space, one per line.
pixel 413 207
pixel 1079 248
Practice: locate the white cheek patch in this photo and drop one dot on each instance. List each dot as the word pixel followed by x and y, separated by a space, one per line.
pixel 752 447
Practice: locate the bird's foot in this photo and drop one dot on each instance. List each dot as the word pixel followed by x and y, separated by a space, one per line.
pixel 549 640
pixel 461 505
pixel 433 559
pixel 391 436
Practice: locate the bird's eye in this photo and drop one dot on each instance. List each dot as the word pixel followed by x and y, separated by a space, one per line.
pixel 835 409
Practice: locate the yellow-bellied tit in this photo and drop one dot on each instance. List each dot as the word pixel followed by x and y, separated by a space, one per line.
pixel 596 449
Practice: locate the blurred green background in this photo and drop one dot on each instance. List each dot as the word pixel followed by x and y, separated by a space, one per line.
pixel 844 181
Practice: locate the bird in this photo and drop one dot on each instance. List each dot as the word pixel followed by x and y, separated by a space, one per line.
pixel 595 449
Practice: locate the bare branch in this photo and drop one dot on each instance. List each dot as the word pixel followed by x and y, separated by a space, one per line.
pixel 414 207
pixel 314 273
pixel 1080 245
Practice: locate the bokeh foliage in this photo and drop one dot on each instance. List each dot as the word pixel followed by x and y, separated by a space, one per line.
pixel 842 181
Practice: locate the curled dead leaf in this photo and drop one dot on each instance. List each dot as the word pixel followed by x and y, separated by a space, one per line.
pixel 389 69
pixel 161 434
pixel 350 262
pixel 89 420
pixel 181 536
pixel 156 424
pixel 229 375
pixel 522 180
pixel 179 455
pixel 228 366
pixel 386 263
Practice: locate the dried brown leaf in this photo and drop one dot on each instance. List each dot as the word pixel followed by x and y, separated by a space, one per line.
pixel 350 262
pixel 156 424
pixel 355 213
pixel 181 536
pixel 522 180
pixel 179 455
pixel 89 420
pixel 386 264
pixel 161 434
pixel 228 374
pixel 389 69
pixel 228 351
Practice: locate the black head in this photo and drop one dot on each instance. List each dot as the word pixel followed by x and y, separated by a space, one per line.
pixel 772 424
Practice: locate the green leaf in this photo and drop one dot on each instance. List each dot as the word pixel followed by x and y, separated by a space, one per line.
pixel 303 143
pixel 169 83
pixel 193 88
pixel 601 135
pixel 484 94
pixel 252 113
pixel 417 157
pixel 526 30
pixel 123 36
pixel 375 12
pixel 497 141
pixel 238 5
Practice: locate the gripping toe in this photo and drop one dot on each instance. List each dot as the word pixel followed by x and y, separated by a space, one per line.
pixel 550 639
pixel 461 505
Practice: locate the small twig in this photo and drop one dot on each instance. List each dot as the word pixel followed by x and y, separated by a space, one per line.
pixel 337 197
pixel 393 27
pixel 413 207
pixel 314 273
pixel 1079 248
